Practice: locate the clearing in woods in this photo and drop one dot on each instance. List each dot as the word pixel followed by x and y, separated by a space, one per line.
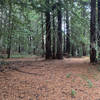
pixel 38 79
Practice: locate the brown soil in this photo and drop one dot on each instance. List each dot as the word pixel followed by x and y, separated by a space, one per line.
pixel 38 79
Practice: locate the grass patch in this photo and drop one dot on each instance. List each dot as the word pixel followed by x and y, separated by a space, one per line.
pixel 68 75
pixel 20 56
pixel 73 80
pixel 90 84
pixel 73 93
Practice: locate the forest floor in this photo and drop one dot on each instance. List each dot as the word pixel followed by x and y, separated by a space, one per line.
pixel 38 79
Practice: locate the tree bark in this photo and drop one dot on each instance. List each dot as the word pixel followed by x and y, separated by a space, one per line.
pixel 73 50
pixel 84 33
pixel 68 33
pixel 42 28
pixel 93 32
pixel 54 35
pixel 59 37
pixel 84 49
pixel 10 31
pixel 98 36
pixel 48 32
pixel 64 51
pixel 9 47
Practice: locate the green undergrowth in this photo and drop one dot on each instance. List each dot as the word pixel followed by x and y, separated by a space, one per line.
pixel 20 56
pixel 73 92
pixel 68 75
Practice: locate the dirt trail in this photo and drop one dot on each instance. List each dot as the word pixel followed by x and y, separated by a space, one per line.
pixel 38 79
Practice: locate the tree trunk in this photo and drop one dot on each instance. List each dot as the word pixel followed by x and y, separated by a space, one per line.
pixel 42 28
pixel 59 37
pixel 98 36
pixel 9 47
pixel 19 49
pixel 19 45
pixel 73 50
pixel 10 31
pixel 84 15
pixel 54 35
pixel 93 32
pixel 64 51
pixel 67 34
pixel 84 49
pixel 48 32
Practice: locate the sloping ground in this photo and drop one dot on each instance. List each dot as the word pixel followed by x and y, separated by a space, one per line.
pixel 38 79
